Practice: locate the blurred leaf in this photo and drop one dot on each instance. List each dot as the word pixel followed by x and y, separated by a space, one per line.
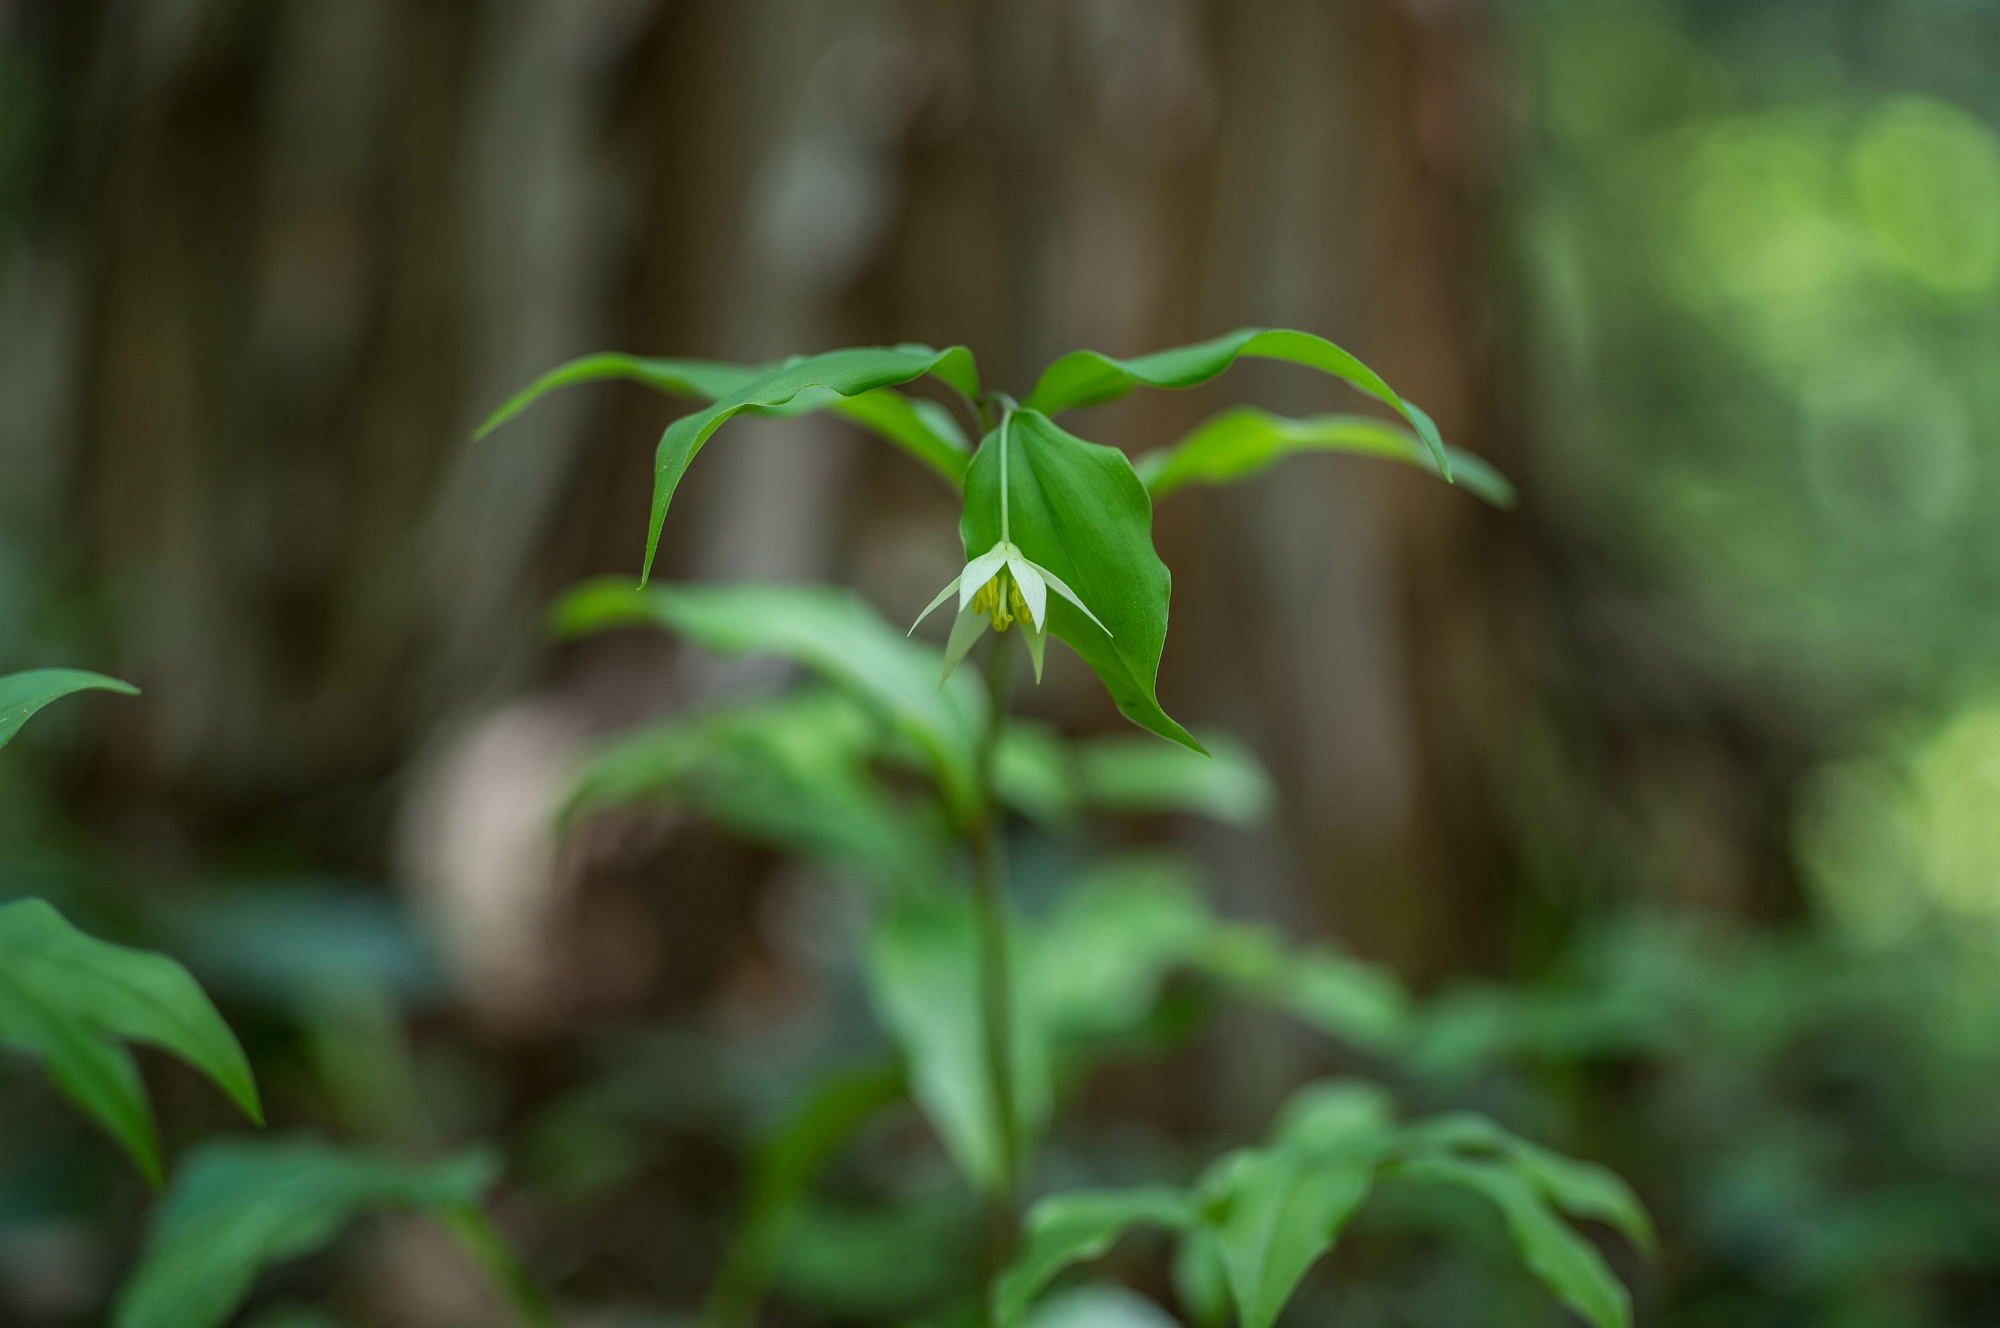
pixel 239 1207
pixel 22 694
pixel 1076 1226
pixel 878 1262
pixel 922 428
pixel 791 771
pixel 1099 1305
pixel 785 1166
pixel 1341 996
pixel 1084 377
pixel 1567 1264
pixel 1034 773
pixel 829 631
pixel 924 967
pixel 1243 442
pixel 1578 1188
pixel 1131 774
pixel 1280 1212
pixel 1274 1211
pixel 848 372
pixel 1101 958
pixel 73 1000
pixel 1201 1279
pixel 1077 509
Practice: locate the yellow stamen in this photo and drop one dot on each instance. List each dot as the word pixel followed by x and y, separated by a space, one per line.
pixel 1000 600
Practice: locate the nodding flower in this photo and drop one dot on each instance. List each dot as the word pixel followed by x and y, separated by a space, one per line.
pixel 1003 586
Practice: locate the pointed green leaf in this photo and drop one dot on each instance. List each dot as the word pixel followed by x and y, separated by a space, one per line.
pixel 1077 1226
pixel 846 372
pixel 71 999
pixel 1133 774
pixel 1201 1279
pixel 1240 443
pixel 1567 1264
pixel 922 428
pixel 1283 1210
pixel 239 1207
pixel 1275 1210
pixel 1078 510
pixel 1084 377
pixel 923 964
pixel 832 632
pixel 22 694
pixel 1580 1189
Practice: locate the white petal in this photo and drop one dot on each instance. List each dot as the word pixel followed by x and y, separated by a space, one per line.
pixel 943 595
pixel 1056 584
pixel 1034 590
pixel 979 571
pixel 1037 640
pixel 965 630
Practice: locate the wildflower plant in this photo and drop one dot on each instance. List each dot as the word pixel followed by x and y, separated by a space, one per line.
pixel 991 1010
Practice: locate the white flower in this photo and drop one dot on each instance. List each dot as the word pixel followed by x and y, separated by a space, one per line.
pixel 1004 586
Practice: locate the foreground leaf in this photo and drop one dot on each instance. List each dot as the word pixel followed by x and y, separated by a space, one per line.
pixel 831 632
pixel 22 694
pixel 924 430
pixel 923 964
pixel 1273 1211
pixel 74 1000
pixel 848 373
pixel 1567 1264
pixel 1077 1226
pixel 1078 510
pixel 1240 443
pixel 240 1207
pixel 1084 377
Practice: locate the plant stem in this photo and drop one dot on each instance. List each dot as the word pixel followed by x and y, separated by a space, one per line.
pixel 996 1000
pixel 496 1258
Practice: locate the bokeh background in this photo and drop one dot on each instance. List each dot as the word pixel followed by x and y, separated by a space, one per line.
pixel 1681 781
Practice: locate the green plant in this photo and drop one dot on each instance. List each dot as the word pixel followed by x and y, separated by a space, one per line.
pixel 994 1011
pixel 74 1001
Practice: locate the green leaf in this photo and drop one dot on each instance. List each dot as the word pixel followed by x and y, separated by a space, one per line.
pixel 22 694
pixel 786 1163
pixel 1078 510
pixel 847 372
pixel 922 428
pixel 1341 996
pixel 790 771
pixel 1077 1226
pixel 1132 774
pixel 1201 1279
pixel 1567 1264
pixel 1274 1211
pixel 72 1000
pixel 239 1207
pixel 1034 773
pixel 923 964
pixel 1102 956
pixel 1084 377
pixel 1243 442
pixel 1578 1188
pixel 832 632
pixel 1282 1210
pixel 1100 1305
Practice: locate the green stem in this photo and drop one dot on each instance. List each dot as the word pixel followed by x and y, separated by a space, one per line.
pixel 496 1258
pixel 996 1002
